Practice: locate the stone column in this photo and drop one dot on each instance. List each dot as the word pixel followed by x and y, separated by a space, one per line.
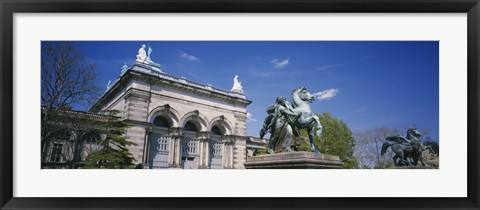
pixel 171 150
pixel 227 155
pixel 203 138
pixel 175 154
pixel 178 151
pixel 146 148
pixel 207 153
pixel 230 154
pixel 200 152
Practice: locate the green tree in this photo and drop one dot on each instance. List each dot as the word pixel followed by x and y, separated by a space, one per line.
pixel 262 151
pixel 114 152
pixel 336 139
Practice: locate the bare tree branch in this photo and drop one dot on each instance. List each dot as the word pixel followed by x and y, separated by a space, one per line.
pixel 368 144
pixel 67 81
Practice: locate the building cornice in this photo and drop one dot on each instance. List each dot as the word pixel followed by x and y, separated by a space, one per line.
pixel 151 76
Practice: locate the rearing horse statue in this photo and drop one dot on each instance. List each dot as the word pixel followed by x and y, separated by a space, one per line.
pixel 408 150
pixel 300 98
pixel 302 117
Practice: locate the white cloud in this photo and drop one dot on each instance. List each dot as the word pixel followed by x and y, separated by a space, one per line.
pixel 250 117
pixel 280 63
pixel 188 56
pixel 326 94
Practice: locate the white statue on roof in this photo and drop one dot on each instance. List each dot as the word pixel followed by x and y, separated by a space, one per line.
pixel 142 54
pixel 124 68
pixel 145 58
pixel 148 59
pixel 237 86
pixel 109 85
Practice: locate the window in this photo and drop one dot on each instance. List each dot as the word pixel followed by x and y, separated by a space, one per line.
pixel 163 143
pixel 216 149
pixel 61 135
pixel 216 130
pixel 161 122
pixel 189 146
pixel 189 126
pixel 92 137
pixel 56 155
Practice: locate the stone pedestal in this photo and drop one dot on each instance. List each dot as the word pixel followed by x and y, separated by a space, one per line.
pixel 294 160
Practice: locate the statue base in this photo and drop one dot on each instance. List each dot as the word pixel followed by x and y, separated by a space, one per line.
pixel 294 160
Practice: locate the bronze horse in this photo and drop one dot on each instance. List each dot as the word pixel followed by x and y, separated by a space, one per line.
pixel 408 150
pixel 302 115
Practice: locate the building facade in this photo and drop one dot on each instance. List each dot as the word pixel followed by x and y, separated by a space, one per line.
pixel 177 123
pixel 69 136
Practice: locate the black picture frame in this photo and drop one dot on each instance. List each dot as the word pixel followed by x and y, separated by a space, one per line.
pixel 10 7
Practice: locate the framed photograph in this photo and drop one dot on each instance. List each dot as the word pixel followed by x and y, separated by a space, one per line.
pixel 368 90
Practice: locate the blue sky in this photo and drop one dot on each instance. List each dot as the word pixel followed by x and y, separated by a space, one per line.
pixel 366 84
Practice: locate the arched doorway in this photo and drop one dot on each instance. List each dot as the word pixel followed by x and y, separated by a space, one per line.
pixel 190 145
pixel 159 142
pixel 216 147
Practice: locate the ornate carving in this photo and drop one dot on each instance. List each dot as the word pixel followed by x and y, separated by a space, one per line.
pixel 175 132
pixel 203 135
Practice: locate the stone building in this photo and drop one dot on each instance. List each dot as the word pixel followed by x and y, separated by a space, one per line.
pixel 177 123
pixel 68 137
